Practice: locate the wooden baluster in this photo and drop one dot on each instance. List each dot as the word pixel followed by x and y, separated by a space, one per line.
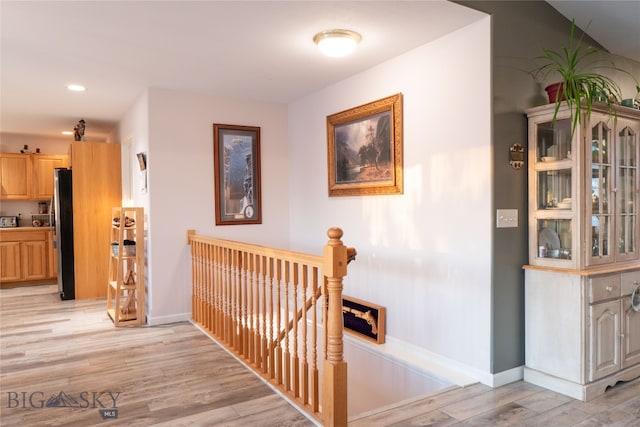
pixel 238 315
pixel 263 315
pixel 194 282
pixel 219 289
pixel 334 384
pixel 213 291
pixel 202 283
pixel 315 387
pixel 246 280
pixel 295 369
pixel 271 341
pixel 205 276
pixel 228 297
pixel 278 348
pixel 305 363
pixel 209 295
pixel 287 352
pixel 256 311
pixel 200 273
pixel 250 302
pixel 235 300
pixel 325 311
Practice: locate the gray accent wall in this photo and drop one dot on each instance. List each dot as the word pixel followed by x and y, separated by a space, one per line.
pixel 520 29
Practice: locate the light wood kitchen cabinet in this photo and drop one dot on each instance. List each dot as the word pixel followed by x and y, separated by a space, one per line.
pixel 24 255
pixel 581 333
pixel 10 261
pixel 29 176
pixel 34 259
pixel 15 176
pixel 43 166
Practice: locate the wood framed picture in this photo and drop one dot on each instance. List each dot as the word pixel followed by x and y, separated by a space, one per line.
pixel 365 149
pixel 364 319
pixel 236 160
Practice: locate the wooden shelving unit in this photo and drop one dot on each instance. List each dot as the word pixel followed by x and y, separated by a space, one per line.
pixel 126 285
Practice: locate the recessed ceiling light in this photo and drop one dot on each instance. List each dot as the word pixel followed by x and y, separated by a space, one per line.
pixel 76 88
pixel 337 43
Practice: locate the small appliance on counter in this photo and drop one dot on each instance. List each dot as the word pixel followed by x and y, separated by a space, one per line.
pixel 9 221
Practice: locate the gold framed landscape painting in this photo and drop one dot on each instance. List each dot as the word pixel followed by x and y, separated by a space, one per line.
pixel 365 149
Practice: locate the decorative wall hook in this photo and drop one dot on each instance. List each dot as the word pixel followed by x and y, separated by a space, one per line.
pixel 516 156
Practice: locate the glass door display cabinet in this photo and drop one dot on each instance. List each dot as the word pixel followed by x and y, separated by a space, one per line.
pixel 583 188
pixel 582 331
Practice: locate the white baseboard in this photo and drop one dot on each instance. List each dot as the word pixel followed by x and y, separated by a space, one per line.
pixel 507 377
pixel 163 320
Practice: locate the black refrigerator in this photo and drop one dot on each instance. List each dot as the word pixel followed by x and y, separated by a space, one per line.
pixel 63 232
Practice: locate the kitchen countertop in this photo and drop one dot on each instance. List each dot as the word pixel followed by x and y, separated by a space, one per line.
pixel 30 228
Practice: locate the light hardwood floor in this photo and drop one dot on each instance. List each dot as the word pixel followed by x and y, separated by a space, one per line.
pixel 174 375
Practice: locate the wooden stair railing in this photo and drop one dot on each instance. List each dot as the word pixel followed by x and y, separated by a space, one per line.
pixel 268 307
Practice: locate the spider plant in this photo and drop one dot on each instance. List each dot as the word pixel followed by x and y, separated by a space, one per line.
pixel 578 67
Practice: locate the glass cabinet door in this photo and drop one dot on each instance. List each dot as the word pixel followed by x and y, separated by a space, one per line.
pixel 584 188
pixel 554 238
pixel 626 192
pixel 554 189
pixel 554 141
pixel 601 185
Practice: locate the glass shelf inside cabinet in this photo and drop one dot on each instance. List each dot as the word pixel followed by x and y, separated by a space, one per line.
pixel 554 238
pixel 554 189
pixel 554 141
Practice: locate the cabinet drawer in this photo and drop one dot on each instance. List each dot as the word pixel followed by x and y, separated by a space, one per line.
pixel 604 287
pixel 22 235
pixel 629 281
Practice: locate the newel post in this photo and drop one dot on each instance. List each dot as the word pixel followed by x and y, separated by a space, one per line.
pixel 334 402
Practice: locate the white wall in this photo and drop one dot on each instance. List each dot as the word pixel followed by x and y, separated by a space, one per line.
pixel 426 254
pixel 13 143
pixel 134 136
pixel 180 186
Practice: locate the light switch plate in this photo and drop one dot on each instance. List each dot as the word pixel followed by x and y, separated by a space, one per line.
pixel 506 218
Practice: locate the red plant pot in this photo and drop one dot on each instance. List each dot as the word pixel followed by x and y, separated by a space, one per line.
pixel 554 91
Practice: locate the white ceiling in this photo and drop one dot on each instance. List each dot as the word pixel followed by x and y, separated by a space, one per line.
pixel 259 50
pixel 615 24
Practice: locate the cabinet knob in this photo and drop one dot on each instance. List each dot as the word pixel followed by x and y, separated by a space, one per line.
pixel 609 288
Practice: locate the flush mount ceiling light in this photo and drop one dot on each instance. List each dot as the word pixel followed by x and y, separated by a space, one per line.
pixel 76 88
pixel 337 43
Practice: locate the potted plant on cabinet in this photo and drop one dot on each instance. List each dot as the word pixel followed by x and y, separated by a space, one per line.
pixel 581 84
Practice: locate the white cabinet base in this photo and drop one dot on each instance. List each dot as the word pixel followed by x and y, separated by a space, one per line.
pixel 579 391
